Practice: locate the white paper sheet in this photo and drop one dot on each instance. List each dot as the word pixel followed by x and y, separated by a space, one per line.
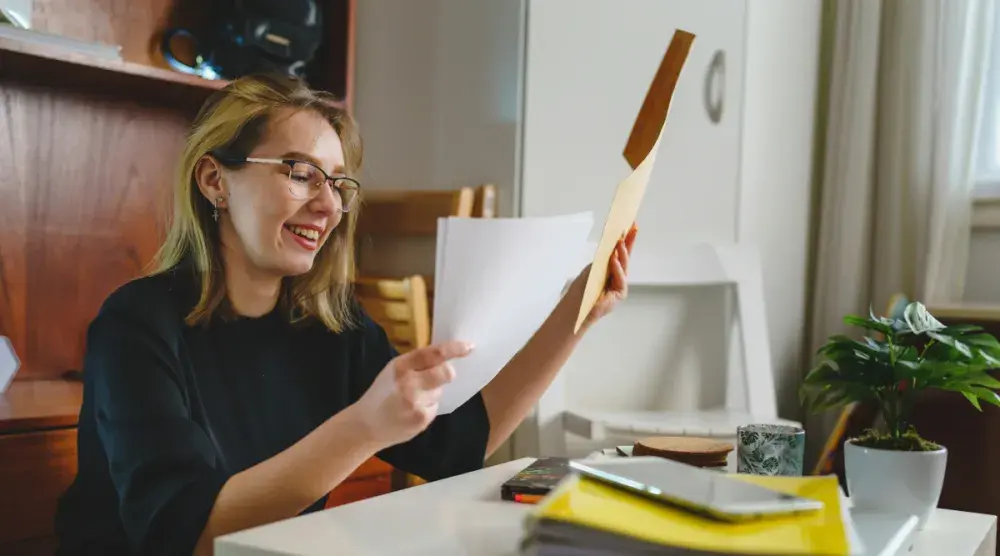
pixel 496 281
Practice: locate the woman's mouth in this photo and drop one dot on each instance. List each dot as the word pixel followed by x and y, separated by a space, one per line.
pixel 306 236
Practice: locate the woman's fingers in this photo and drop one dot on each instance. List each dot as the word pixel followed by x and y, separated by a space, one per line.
pixel 432 356
pixel 435 377
pixel 422 387
pixel 617 274
pixel 623 253
pixel 630 237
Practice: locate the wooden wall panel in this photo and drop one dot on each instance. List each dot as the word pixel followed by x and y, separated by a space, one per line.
pixel 84 194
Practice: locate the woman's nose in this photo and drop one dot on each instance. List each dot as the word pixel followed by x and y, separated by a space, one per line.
pixel 326 201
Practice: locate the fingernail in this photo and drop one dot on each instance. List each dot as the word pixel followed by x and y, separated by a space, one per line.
pixel 468 346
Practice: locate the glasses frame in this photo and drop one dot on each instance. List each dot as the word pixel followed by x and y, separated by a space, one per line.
pixel 291 162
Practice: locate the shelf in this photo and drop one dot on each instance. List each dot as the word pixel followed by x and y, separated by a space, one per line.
pixel 54 66
pixel 50 65
pixel 40 404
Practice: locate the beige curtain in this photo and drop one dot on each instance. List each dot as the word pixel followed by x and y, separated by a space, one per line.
pixel 904 100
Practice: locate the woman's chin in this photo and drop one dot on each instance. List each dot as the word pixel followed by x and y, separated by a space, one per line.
pixel 296 266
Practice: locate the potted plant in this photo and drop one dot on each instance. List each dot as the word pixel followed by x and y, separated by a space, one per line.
pixel 891 468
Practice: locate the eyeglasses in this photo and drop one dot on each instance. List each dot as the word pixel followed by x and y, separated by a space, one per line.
pixel 305 180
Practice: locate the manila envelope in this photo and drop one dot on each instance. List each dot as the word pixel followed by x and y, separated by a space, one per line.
pixel 640 153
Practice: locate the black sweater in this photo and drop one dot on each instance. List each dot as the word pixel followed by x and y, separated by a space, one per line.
pixel 170 412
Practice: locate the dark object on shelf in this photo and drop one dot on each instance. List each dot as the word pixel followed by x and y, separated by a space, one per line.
pixel 254 36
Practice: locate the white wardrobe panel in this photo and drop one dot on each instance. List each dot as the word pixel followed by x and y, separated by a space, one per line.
pixel 588 66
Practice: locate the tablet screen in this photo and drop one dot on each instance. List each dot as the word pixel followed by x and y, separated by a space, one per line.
pixel 702 487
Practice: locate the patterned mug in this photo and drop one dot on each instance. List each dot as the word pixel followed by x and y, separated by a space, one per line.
pixel 770 450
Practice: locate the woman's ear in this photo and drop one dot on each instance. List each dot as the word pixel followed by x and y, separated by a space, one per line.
pixel 208 176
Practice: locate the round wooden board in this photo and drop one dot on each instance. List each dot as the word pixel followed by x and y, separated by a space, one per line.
pixel 688 449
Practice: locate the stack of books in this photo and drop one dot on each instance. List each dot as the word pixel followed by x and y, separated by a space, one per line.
pixel 585 517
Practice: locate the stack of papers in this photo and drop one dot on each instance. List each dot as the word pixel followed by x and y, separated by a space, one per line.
pixel 495 282
pixel 587 517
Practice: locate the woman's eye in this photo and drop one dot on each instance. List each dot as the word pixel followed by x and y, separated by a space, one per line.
pixel 302 178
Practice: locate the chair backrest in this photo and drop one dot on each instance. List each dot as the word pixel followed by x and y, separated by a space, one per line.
pixel 749 384
pixel 485 202
pixel 397 229
pixel 412 213
pixel 398 305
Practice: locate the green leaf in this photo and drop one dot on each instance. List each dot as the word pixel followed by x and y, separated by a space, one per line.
pixel 959 329
pixel 980 378
pixel 988 396
pixel 985 346
pixel 984 342
pixel 822 373
pixel 906 353
pixel 952 342
pixel 972 399
pixel 906 369
pixel 868 324
pixel 920 320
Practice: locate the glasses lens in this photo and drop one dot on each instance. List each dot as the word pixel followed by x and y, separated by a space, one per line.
pixel 348 191
pixel 304 180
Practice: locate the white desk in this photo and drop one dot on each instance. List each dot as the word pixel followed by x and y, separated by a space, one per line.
pixel 464 515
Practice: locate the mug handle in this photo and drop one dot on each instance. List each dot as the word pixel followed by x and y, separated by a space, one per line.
pixel 168 54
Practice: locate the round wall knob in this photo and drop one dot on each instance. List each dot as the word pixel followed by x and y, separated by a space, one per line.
pixel 715 86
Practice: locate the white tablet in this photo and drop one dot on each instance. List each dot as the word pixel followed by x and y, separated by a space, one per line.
pixel 704 491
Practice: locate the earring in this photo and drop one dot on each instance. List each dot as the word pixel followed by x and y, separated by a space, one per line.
pixel 215 212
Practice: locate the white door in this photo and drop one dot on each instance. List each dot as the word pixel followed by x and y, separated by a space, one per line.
pixel 588 66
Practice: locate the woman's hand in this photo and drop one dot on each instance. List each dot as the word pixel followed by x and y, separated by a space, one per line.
pixel 403 399
pixel 616 288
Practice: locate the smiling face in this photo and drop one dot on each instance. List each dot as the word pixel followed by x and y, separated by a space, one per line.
pixel 264 227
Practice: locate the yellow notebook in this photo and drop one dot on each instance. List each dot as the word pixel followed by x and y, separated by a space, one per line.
pixel 589 503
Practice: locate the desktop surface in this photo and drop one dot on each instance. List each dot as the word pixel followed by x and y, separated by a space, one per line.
pixel 464 515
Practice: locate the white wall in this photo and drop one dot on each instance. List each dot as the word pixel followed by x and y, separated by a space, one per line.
pixel 982 283
pixel 783 39
pixel 437 93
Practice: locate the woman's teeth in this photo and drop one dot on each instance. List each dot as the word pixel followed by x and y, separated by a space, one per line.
pixel 304 232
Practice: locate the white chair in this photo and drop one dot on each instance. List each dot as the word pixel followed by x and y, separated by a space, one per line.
pixel 750 392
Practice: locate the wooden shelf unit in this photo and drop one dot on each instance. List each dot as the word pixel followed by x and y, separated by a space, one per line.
pixel 53 66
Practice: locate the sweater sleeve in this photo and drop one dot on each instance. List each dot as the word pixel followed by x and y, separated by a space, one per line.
pixel 451 445
pixel 163 465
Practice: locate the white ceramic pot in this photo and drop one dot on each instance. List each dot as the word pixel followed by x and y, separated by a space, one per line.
pixel 893 481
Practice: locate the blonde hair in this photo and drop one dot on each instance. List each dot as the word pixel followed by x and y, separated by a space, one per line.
pixel 232 122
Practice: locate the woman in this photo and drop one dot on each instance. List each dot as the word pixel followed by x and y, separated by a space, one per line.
pixel 240 383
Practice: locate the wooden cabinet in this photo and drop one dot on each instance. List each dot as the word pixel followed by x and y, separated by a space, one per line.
pixel 37 460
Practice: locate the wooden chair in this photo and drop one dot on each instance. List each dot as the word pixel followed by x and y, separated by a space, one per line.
pixel 485 202
pixel 415 212
pixel 397 228
pixel 411 213
pixel 399 305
